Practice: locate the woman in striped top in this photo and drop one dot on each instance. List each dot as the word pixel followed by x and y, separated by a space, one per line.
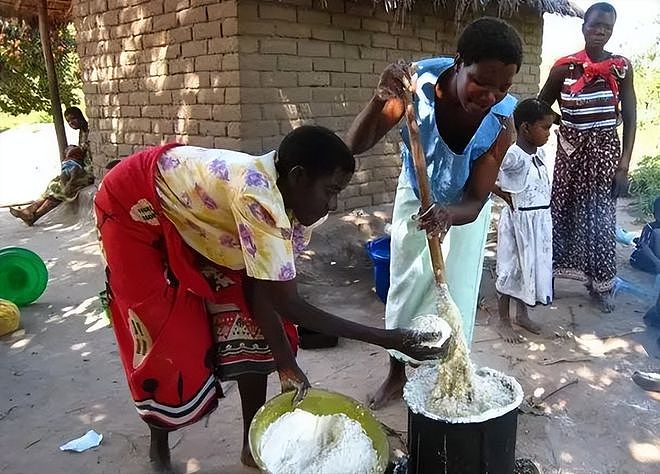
pixel 594 89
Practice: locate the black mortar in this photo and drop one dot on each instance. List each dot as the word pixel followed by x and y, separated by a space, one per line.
pixel 439 447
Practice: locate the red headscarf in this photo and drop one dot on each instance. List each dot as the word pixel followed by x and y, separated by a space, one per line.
pixel 610 69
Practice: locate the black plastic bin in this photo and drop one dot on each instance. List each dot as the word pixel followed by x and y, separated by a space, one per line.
pixel 439 447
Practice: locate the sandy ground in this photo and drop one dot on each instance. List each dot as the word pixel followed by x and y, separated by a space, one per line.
pixel 61 374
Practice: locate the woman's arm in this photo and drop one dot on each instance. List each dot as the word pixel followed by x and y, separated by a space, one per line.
pixel 477 189
pixel 383 111
pixel 273 298
pixel 551 90
pixel 629 115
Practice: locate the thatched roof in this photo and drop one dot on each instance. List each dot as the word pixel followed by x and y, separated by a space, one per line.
pixel 505 7
pixel 58 10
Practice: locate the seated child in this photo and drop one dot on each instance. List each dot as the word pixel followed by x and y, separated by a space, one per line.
pixel 524 248
pixel 646 256
pixel 72 171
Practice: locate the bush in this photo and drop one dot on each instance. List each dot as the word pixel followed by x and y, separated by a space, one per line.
pixel 645 186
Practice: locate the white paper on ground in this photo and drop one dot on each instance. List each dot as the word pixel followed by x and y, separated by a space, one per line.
pixel 89 440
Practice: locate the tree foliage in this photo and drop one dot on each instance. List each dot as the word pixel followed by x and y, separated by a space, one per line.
pixel 23 78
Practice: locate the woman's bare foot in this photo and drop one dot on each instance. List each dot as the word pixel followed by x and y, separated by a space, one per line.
pixel 522 319
pixel 604 300
pixel 392 387
pixel 26 217
pixel 506 332
pixel 246 457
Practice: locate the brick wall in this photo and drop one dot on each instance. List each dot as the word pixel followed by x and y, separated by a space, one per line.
pixel 241 74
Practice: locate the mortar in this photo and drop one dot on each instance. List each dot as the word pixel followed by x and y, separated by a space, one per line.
pixel 475 444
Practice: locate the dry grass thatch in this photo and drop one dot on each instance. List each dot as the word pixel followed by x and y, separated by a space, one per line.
pixel 505 7
pixel 60 10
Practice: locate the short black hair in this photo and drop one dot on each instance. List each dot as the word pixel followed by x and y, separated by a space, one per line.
pixel 75 111
pixel 530 111
pixel 319 150
pixel 490 38
pixel 599 7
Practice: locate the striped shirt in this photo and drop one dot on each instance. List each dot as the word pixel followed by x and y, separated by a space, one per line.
pixel 595 106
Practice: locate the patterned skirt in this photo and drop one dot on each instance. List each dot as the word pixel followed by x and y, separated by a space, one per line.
pixel 179 327
pixel 583 209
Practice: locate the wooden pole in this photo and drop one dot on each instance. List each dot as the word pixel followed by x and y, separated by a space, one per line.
pixel 425 196
pixel 56 104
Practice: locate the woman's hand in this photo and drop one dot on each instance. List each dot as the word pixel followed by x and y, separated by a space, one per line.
pixel 293 378
pixel 620 184
pixel 419 345
pixel 436 220
pixel 394 81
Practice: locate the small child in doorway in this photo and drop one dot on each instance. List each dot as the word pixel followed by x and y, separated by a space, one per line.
pixel 524 249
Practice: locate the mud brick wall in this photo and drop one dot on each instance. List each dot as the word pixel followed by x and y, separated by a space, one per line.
pixel 241 74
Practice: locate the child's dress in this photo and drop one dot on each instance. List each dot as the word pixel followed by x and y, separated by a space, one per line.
pixel 524 247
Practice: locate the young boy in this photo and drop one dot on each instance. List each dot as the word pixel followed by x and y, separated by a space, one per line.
pixel 188 231
pixel 524 249
pixel 646 256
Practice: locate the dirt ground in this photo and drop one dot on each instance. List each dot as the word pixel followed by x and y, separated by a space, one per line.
pixel 61 373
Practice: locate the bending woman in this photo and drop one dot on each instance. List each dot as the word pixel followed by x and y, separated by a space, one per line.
pixel 464 116
pixel 200 247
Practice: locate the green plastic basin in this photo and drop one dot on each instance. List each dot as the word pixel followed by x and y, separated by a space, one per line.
pixel 319 402
pixel 23 275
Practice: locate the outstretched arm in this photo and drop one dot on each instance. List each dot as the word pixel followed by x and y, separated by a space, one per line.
pixel 383 111
pixel 269 299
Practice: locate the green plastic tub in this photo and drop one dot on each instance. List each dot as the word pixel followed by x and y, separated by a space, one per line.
pixel 23 275
pixel 319 402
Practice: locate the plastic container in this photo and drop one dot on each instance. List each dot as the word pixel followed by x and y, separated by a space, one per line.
pixel 10 317
pixel 479 444
pixel 23 275
pixel 319 402
pixel 379 253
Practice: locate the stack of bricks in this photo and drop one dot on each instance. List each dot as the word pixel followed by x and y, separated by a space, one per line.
pixel 240 74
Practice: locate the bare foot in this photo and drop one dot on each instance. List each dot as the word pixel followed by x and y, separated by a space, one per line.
pixel 390 390
pixel 506 332
pixel 522 319
pixel 22 215
pixel 604 300
pixel 246 457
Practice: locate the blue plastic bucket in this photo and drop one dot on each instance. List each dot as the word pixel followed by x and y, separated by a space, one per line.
pixel 379 253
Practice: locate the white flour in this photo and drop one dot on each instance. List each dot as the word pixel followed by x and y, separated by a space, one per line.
pixel 491 392
pixel 300 442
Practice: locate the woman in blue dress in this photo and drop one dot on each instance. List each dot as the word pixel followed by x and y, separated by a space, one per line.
pixel 464 116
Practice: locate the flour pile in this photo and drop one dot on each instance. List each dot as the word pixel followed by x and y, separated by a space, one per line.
pixel 299 442
pixel 492 394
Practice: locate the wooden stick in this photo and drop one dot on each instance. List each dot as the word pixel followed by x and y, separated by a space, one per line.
pixel 424 190
pixel 568 359
pixel 561 387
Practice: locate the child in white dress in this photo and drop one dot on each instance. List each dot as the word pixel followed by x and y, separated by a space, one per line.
pixel 524 249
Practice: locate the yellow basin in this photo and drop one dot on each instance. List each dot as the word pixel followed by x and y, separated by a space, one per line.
pixel 319 402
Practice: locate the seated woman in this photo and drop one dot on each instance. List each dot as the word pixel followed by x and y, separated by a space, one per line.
pixel 57 191
pixel 646 256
